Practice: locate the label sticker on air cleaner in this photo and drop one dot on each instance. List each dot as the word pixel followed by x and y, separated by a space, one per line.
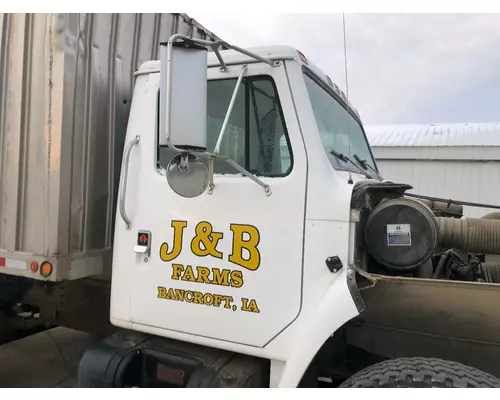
pixel 399 235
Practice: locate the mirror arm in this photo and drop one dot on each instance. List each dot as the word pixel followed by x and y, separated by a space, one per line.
pixel 235 165
pixel 168 100
pixel 211 183
pixel 250 54
pixel 229 110
pixel 238 167
pixel 223 65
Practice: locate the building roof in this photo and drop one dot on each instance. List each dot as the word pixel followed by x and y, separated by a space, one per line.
pixel 435 135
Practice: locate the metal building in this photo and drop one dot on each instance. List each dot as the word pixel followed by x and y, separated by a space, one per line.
pixel 458 161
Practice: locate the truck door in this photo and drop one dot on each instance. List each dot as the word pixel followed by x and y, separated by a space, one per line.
pixel 226 265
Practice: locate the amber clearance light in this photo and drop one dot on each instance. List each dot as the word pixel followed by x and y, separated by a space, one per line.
pixel 46 269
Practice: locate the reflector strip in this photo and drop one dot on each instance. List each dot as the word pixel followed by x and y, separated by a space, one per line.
pixel 13 264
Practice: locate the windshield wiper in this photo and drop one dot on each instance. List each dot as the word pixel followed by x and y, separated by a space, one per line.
pixel 340 155
pixel 347 159
pixel 365 165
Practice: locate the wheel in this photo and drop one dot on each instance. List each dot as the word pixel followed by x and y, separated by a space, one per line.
pixel 420 373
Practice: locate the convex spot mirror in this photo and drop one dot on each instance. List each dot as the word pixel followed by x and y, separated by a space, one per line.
pixel 187 175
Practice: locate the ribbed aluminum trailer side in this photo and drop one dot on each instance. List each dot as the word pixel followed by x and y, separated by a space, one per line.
pixel 66 82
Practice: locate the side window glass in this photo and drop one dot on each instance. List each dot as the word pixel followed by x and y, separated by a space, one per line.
pixel 233 143
pixel 255 136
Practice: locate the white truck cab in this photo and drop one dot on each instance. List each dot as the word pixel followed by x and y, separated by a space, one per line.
pixel 237 241
pixel 234 267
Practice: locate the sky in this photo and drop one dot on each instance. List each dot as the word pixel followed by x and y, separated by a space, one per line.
pixel 402 68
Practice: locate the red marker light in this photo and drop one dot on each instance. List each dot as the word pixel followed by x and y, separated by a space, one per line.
pixel 302 57
pixel 34 266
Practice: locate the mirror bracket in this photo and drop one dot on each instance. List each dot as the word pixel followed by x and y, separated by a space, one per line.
pixel 235 165
pixel 167 55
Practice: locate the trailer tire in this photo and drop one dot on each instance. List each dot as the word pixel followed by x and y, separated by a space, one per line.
pixel 420 373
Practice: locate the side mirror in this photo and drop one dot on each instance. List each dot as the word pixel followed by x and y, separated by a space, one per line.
pixel 183 95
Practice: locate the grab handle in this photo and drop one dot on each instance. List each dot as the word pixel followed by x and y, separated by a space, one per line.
pixel 123 187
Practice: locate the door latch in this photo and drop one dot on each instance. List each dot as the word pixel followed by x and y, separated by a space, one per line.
pixel 143 245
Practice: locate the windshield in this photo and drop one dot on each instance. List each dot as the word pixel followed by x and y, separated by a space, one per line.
pixel 337 127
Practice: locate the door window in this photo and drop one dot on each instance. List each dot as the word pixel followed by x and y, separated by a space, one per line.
pixel 255 136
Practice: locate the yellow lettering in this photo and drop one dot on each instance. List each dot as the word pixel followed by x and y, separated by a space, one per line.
pixel 179 294
pixel 217 300
pixel 198 298
pixel 208 299
pixel 188 274
pixel 227 301
pixel 170 295
pixel 177 271
pixel 236 279
pixel 205 241
pixel 162 292
pixel 203 275
pixel 236 257
pixel 250 307
pixel 177 244
pixel 220 278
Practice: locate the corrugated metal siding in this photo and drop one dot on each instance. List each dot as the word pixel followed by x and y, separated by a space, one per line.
pixel 469 134
pixel 460 180
pixel 458 161
pixel 66 85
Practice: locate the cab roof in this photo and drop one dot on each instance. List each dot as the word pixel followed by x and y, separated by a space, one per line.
pixel 273 53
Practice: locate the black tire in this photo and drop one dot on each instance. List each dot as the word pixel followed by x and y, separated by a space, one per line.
pixel 420 373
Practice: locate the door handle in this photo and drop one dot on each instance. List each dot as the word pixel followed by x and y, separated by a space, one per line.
pixel 123 186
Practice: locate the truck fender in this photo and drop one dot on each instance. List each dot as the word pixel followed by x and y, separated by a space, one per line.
pixel 340 303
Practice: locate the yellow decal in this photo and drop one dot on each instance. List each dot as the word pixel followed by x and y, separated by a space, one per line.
pixel 250 244
pixel 177 247
pixel 207 299
pixel 205 241
pixel 208 239
pixel 188 274
pixel 203 275
pixel 177 270
pixel 162 292
pixel 236 279
pixel 249 305
pixel 212 276
pixel 189 296
pixel 244 253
